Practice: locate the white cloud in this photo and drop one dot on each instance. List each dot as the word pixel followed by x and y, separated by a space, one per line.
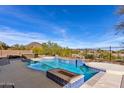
pixel 36 21
pixel 61 32
pixel 12 36
pixel 105 40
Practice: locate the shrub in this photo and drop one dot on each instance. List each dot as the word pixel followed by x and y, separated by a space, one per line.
pixel 89 56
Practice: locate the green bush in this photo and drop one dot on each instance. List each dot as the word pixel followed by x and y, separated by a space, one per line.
pixel 89 56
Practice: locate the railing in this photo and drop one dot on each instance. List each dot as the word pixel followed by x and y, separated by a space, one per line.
pixel 109 54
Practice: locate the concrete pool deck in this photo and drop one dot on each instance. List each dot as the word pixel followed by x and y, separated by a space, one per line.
pixel 112 78
pixel 109 67
pixel 23 77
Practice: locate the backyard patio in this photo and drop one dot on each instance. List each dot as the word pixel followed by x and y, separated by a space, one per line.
pixel 16 72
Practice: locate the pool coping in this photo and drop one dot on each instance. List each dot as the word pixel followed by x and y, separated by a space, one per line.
pixel 106 69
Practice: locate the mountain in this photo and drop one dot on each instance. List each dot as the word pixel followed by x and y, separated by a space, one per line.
pixel 34 44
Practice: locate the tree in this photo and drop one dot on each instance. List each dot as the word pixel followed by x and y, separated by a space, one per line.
pixel 3 45
pixel 120 26
pixel 38 50
pixel 48 48
pixel 18 47
pixel 51 48
pixel 89 56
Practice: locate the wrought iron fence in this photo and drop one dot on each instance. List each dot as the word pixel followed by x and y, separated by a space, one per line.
pixel 111 54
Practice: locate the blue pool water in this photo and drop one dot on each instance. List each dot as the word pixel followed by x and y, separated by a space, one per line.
pixel 69 65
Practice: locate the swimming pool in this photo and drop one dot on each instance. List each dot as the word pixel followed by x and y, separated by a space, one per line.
pixel 69 65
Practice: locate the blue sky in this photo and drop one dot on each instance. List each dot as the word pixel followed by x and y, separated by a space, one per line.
pixel 72 26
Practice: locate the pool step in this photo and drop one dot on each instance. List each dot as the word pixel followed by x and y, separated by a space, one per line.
pixel 93 80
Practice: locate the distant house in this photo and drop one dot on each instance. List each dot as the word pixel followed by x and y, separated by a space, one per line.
pixel 76 56
pixel 119 54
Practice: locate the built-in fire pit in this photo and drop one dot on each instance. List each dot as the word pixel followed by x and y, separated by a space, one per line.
pixel 64 77
pixel 66 73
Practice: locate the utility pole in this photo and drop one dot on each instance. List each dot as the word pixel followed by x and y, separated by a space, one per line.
pixel 110 52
